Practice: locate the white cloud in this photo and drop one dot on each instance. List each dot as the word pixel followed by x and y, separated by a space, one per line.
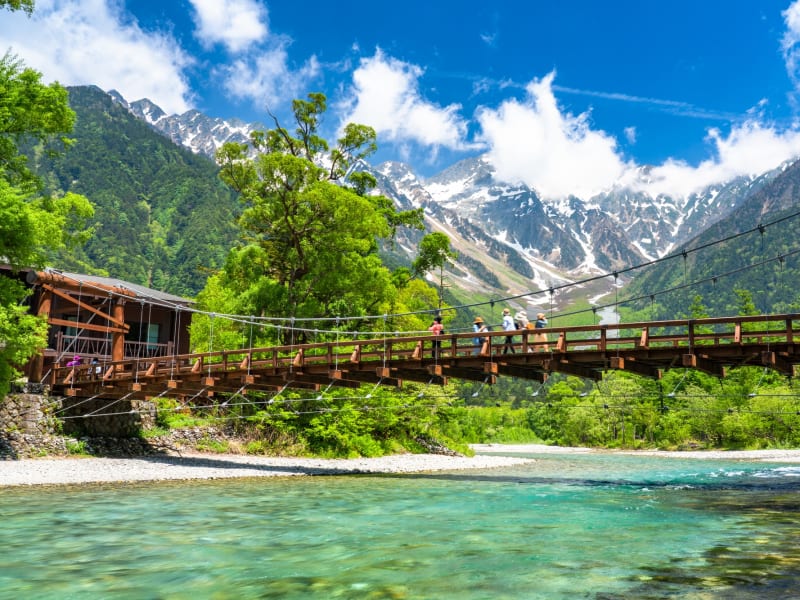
pixel 386 96
pixel 751 148
pixel 790 42
pixel 555 153
pixel 265 79
pixel 558 154
pixel 237 24
pixel 89 42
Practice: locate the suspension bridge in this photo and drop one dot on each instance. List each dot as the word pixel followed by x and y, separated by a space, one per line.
pixel 712 345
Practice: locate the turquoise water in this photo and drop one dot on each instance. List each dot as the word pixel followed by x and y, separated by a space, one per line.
pixel 601 526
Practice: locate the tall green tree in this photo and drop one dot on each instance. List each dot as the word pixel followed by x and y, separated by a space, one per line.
pixel 310 225
pixel 31 225
pixel 31 112
pixel 435 253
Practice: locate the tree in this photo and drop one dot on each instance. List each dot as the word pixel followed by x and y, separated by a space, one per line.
pixel 32 112
pixel 434 253
pixel 32 226
pixel 310 226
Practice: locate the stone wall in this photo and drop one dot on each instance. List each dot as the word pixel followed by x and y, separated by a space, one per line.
pixel 43 425
pixel 30 413
pixel 29 426
pixel 105 417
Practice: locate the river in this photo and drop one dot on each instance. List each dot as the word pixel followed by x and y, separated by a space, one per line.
pixel 595 525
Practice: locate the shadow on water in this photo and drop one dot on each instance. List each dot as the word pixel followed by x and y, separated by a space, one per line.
pixel 750 485
pixel 495 477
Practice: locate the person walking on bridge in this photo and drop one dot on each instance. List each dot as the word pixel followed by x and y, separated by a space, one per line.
pixel 436 329
pixel 508 325
pixel 478 326
pixel 541 323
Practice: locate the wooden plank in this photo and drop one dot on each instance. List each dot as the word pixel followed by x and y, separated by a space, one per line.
pixel 87 326
pixel 83 306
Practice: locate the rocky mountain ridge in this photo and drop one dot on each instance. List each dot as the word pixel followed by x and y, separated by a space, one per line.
pixel 509 239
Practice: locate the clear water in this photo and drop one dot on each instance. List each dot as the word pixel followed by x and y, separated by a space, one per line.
pixel 599 526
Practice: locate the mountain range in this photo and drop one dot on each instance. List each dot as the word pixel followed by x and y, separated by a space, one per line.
pixel 509 240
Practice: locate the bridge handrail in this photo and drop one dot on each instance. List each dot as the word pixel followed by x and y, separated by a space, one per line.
pixel 562 339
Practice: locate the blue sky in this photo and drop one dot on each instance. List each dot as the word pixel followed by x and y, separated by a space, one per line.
pixel 567 97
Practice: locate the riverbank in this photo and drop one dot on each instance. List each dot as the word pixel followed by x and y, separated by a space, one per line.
pixel 165 467
pixel 66 471
pixel 792 455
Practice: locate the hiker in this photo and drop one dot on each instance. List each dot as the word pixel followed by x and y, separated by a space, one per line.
pixel 508 325
pixel 437 329
pixel 479 327
pixel 541 323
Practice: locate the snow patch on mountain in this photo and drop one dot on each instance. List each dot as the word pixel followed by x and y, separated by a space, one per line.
pixel 505 233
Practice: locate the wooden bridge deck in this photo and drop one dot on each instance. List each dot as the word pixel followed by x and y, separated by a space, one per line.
pixel 648 348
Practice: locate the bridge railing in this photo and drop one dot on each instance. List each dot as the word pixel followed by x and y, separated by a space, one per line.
pixel 685 334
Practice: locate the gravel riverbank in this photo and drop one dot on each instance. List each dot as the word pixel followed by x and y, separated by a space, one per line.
pixel 60 471
pixel 67 471
pixel 792 455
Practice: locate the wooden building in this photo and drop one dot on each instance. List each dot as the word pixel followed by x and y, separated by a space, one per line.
pixel 102 318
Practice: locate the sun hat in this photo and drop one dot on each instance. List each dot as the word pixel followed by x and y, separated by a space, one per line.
pixel 506 311
pixel 478 320
pixel 540 316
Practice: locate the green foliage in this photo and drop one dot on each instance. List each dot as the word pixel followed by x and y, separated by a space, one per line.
pixel 163 219
pixel 29 110
pixel 32 226
pixel 154 432
pixel 488 424
pixel 210 445
pixel 338 423
pixel 752 408
pixel 76 447
pixel 171 415
pixel 309 230
pixel 435 253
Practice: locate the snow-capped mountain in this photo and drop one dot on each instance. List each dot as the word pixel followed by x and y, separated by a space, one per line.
pixel 508 239
pixel 530 243
pixel 194 130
